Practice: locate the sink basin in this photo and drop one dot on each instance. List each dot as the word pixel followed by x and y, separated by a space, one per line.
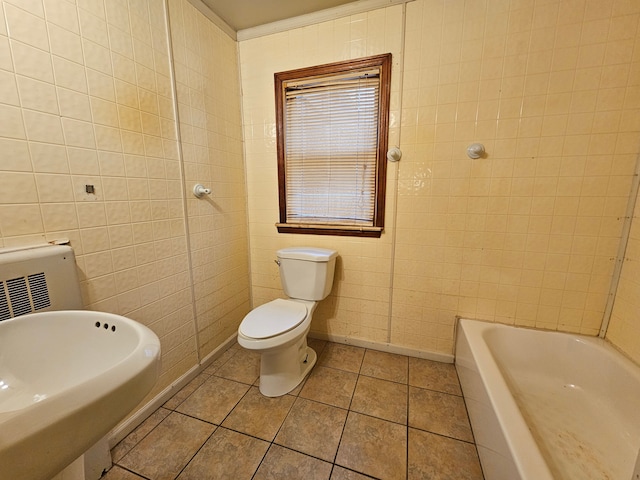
pixel 66 379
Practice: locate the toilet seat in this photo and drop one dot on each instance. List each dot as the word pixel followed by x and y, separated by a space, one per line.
pixel 273 318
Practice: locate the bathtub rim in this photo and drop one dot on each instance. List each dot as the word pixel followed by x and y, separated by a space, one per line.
pixel 523 449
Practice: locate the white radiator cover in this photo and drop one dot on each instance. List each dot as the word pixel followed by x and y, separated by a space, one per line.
pixel 38 279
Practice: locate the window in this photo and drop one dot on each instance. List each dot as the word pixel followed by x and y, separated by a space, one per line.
pixel 332 128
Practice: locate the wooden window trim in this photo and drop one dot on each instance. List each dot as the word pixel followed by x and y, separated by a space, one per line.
pixel 384 63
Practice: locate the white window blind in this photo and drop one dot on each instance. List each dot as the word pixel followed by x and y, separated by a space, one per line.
pixel 331 147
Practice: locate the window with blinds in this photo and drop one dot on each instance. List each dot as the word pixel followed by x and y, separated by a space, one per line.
pixel 332 127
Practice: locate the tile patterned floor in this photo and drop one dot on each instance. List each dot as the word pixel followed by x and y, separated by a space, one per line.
pixel 360 414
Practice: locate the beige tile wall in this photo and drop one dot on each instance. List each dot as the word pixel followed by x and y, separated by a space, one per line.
pixel 624 327
pixel 86 99
pixel 208 87
pixel 359 303
pixel 525 236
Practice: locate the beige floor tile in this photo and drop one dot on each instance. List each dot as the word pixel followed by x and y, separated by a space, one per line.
pixel 342 357
pixel 185 391
pixel 387 396
pixel 441 458
pixel 131 440
pixel 434 376
pixel 117 473
pixel 387 366
pixel 258 415
pixel 313 428
pixel 331 386
pixel 163 453
pixel 281 463
pixel 242 367
pixel 381 398
pixel 226 455
pixel 220 361
pixel 374 447
pixel 340 473
pixel 214 399
pixel 439 413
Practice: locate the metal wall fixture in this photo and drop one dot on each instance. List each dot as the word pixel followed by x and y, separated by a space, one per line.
pixel 200 190
pixel 394 154
pixel 475 150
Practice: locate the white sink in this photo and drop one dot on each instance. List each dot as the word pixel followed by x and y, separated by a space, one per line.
pixel 66 379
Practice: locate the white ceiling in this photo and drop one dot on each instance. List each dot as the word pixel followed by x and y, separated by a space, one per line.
pixel 242 14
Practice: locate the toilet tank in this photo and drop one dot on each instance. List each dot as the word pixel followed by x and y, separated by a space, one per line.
pixel 306 273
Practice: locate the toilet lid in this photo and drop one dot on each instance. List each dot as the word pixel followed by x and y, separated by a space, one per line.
pixel 273 318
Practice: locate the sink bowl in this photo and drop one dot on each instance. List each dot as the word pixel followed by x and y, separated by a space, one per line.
pixel 66 379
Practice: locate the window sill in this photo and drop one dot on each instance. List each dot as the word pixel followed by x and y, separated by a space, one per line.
pixel 339 230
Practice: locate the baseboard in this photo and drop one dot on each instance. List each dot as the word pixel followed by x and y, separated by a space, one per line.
pixel 385 347
pixel 130 424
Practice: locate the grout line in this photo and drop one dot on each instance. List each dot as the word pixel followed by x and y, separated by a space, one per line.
pixel 144 436
pixel 264 456
pixel 133 472
pixel 197 451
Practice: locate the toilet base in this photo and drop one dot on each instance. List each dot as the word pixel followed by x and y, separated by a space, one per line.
pixel 282 370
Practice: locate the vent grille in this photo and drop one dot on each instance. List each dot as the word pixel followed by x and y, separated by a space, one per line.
pixel 22 295
pixel 39 291
pixel 18 296
pixel 4 304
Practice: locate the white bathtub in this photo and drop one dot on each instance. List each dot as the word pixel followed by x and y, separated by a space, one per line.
pixel 548 405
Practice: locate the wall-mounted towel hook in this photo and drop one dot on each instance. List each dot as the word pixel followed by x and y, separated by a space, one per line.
pixel 475 150
pixel 200 190
pixel 394 154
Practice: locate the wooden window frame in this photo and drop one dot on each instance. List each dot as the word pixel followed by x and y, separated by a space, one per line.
pixel 383 62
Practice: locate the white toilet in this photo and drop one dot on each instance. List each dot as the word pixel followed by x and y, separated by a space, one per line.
pixel 278 329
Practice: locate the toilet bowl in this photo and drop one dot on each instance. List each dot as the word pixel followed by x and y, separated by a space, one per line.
pixel 278 329
pixel 285 357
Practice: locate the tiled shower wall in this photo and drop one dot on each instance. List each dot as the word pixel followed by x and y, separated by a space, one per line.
pixel 86 99
pixel 208 91
pixel 527 235
pixel 624 328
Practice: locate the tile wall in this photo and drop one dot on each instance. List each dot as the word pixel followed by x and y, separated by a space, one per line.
pixel 208 92
pixel 624 327
pixel 527 235
pixel 86 99
pixel 359 303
